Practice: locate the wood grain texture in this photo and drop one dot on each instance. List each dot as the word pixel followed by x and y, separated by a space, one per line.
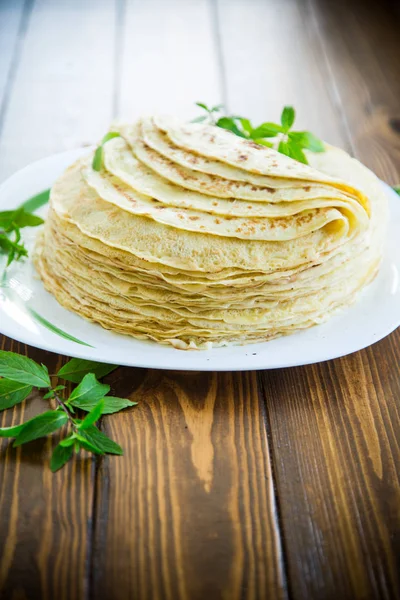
pixel 359 48
pixel 61 95
pixel 46 519
pixel 189 513
pixel 168 58
pixel 336 451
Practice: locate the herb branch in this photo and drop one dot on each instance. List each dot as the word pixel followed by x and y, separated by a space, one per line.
pixel 20 374
pixel 11 223
pixel 285 141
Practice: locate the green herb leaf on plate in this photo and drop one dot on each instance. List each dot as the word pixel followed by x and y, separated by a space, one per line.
pixel 307 140
pixel 36 201
pixel 397 189
pixel 55 329
pixel 41 426
pixel 98 159
pixel 23 369
pixel 287 117
pixel 266 130
pixel 61 455
pixel 76 368
pixel 229 124
pixel 12 393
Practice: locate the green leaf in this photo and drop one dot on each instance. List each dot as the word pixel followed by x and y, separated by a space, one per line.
pixel 110 136
pixel 217 108
pixel 111 405
pixel 20 218
pixel 98 159
pixel 283 148
pixel 287 117
pixel 12 393
pixel 36 201
pixel 297 153
pixel 305 139
pixel 60 456
pixel 41 426
pixel 202 105
pixel 86 445
pixel 266 130
pixel 89 389
pixel 69 440
pixel 229 124
pixel 23 369
pixel 264 143
pixel 199 119
pixel 397 189
pixel 55 329
pixel 11 431
pixel 95 437
pixel 93 416
pixel 75 369
pixel 246 125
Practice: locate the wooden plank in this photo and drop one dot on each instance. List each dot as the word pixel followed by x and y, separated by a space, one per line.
pixel 358 43
pixel 11 25
pixel 270 63
pixel 45 524
pixel 62 93
pixel 189 512
pixel 168 58
pixel 335 433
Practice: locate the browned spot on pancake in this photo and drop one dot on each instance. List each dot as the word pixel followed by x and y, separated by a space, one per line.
pixel 218 221
pixel 306 188
pixel 215 203
pixel 242 157
pixel 194 218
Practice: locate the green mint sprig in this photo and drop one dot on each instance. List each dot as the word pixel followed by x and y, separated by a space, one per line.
pixel 20 374
pixel 97 162
pixel 11 223
pixel 397 189
pixel 288 142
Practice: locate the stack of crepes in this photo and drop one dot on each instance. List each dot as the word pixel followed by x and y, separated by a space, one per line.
pixel 194 237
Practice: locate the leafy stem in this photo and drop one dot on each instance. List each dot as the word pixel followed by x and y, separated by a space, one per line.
pixel 284 140
pixel 19 374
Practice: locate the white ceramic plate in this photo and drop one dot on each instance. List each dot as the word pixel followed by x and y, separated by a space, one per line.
pixel 372 317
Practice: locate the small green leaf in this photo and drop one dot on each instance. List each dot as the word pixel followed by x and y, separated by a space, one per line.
pixel 41 426
pixel 55 329
pixel 11 431
pixel 110 136
pixel 23 369
pixel 60 456
pixel 287 117
pixel 229 124
pixel 283 148
pixel 49 395
pixel 397 189
pixel 89 389
pixel 199 119
pixel 21 218
pixel 36 201
pixel 68 441
pixel 86 445
pixel 98 159
pixel 264 143
pixel 217 108
pixel 95 437
pixel 266 130
pixel 111 405
pixel 297 153
pixel 75 369
pixel 305 139
pixel 246 125
pixel 202 105
pixel 93 416
pixel 12 393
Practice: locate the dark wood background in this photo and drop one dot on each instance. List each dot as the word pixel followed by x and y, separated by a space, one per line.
pixel 275 484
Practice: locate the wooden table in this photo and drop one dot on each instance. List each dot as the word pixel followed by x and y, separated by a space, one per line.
pixel 276 484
